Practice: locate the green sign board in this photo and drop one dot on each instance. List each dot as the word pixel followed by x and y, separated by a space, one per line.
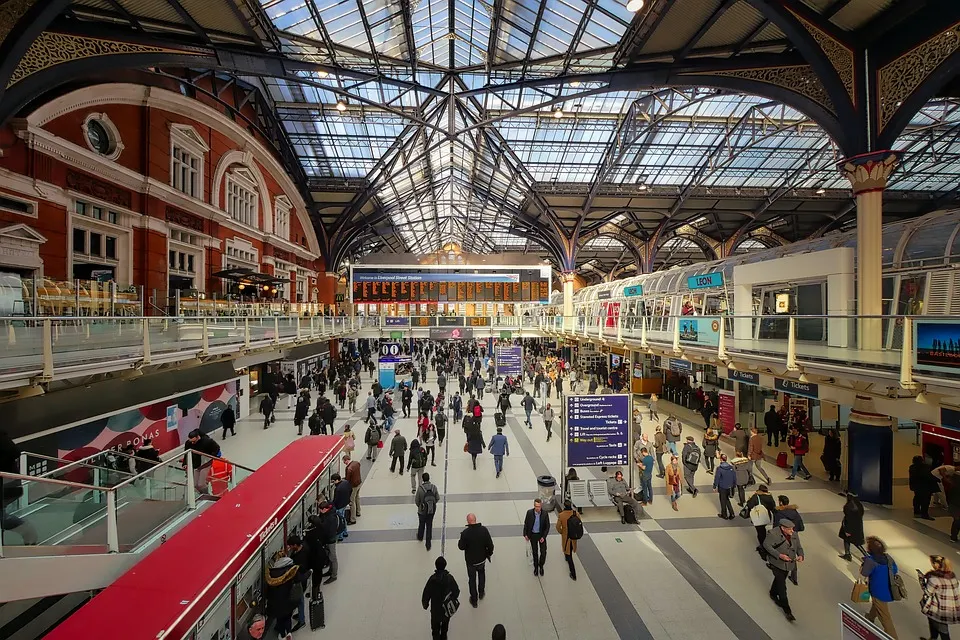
pixel 506 335
pixel 396 335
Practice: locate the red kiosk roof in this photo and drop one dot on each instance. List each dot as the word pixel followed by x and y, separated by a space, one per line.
pixel 167 592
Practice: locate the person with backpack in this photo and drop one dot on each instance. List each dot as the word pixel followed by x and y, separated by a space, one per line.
pixel 723 482
pixel 427 498
pixel 328 414
pixel 536 526
pixel 941 597
pixel 321 536
pixel 711 445
pixel 440 425
pixel 342 492
pixel 761 506
pixel 570 528
pixel 741 464
pixel 499 447
pixel 416 464
pixel 440 596
pixel 371 438
pixel 883 582
pixel 784 552
pixel 301 411
pixel 691 456
pixel 622 497
pixel 672 429
pixel 315 423
pixel 352 394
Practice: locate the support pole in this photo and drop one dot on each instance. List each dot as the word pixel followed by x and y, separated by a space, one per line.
pixel 205 338
pixel 276 330
pixel 191 491
pixel 643 332
pixel 722 341
pixel 246 333
pixel 676 334
pixel 47 337
pixel 113 536
pixel 146 340
pixel 792 345
pixel 906 356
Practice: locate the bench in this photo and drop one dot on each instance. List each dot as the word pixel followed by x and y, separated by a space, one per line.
pixel 578 493
pixel 599 496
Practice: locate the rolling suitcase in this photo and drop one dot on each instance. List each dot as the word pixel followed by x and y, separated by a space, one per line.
pixel 782 459
pixel 500 419
pixel 317 618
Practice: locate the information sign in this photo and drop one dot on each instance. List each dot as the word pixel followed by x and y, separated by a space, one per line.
pixel 796 388
pixel 509 360
pixel 396 335
pixel 394 321
pixel 705 281
pixel 746 377
pixel 598 430
pixel 390 349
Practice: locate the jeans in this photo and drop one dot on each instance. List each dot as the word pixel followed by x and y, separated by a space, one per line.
pixel 755 468
pixel 673 493
pixel 672 446
pixel 549 426
pixel 538 547
pixel 498 464
pixel 477 579
pixel 646 489
pixel 778 590
pixel 343 513
pixel 798 465
pixel 425 528
pixel 726 507
pixel 528 414
pixel 659 458
pixel 416 477
pixel 301 609
pixel 372 451
pixel 388 423
pixel 938 630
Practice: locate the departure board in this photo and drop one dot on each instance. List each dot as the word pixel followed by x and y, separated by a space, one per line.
pixel 420 285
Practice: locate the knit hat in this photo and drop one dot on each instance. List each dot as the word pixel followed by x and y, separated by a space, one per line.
pixel 786 524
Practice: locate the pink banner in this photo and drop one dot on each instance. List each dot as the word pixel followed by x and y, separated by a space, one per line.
pixel 728 411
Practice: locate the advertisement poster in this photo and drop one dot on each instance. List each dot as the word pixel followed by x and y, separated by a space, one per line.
pixel 702 331
pixel 388 374
pixel 451 333
pixel 598 430
pixel 509 360
pixel 937 345
pixel 166 422
pixel 728 411
pixel 853 626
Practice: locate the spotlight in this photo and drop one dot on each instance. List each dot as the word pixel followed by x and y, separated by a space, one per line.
pixel 558 113
pixel 322 74
pixel 634 5
pixel 642 187
pixel 241 286
pixel 821 191
pixel 266 287
pixel 341 106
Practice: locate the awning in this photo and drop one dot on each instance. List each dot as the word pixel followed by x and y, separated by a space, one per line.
pixel 249 276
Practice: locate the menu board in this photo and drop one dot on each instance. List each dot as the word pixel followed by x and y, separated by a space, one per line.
pixel 419 285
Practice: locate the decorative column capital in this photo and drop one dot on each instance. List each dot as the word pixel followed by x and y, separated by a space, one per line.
pixel 568 276
pixel 870 171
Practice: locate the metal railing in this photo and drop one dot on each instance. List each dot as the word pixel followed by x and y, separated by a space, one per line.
pixel 109 513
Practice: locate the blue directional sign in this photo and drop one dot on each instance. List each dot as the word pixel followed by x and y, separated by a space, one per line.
pixel 797 388
pixel 633 292
pixel 746 377
pixel 509 360
pixel 598 430
pixel 705 281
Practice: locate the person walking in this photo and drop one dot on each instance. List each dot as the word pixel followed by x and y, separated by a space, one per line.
pixel 673 429
pixel 761 506
pixel 941 598
pixel 398 448
pixel 570 528
pixel 499 447
pixel 477 546
pixel 301 411
pixel 674 480
pixel 548 416
pixel 755 454
pixel 371 405
pixel 352 394
pixel 774 425
pixel 789 511
pixel 266 409
pixel 441 588
pixel 372 439
pixel 427 498
pixel 799 444
pixel 691 462
pixel 416 464
pixel 711 444
pixel 529 404
pixel 879 569
pixel 441 425
pixel 536 526
pixel 742 467
pixel 228 419
pixel 654 401
pixel 784 553
pixel 832 448
pixel 741 438
pixel 659 448
pixel 723 482
pixel 851 529
pixel 351 471
pixel 923 485
pixel 474 443
pixel 430 442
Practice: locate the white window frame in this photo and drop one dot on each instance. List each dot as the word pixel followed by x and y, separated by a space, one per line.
pixel 187 140
pixel 188 244
pixel 282 209
pixel 241 198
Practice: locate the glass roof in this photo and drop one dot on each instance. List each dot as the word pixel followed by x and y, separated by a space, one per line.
pixel 450 113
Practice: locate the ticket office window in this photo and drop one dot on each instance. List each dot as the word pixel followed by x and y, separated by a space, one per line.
pixel 295 520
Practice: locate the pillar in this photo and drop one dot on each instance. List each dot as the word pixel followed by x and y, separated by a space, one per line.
pixel 567 279
pixel 327 284
pixel 868 175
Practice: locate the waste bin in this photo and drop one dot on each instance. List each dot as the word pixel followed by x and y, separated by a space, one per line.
pixel 547 490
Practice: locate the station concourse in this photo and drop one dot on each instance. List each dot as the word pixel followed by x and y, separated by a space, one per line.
pixel 725 211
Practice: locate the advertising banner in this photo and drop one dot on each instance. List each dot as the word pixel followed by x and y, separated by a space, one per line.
pixel 728 411
pixel 677 364
pixel 598 430
pixel 388 374
pixel 451 333
pixel 853 626
pixel 509 360
pixel 696 330
pixel 937 345
pixel 390 350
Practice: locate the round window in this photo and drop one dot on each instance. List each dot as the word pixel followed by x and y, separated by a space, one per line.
pixel 98 137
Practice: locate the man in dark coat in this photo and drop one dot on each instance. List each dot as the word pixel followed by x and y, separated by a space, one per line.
pixel 228 419
pixel 923 485
pixel 441 587
pixel 477 546
pixel 536 526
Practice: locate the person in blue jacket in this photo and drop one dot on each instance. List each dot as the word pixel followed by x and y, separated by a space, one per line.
pixel 877 568
pixel 725 481
pixel 499 447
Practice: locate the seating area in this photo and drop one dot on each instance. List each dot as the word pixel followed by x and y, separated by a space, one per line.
pixel 589 493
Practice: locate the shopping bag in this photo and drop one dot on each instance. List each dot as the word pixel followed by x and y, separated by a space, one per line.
pixel 860 593
pixel 380 444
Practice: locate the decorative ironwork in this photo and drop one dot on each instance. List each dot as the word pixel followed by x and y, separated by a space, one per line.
pixel 839 55
pixel 10 13
pixel 870 171
pixel 98 188
pixel 800 79
pixel 51 49
pixel 184 219
pixel 898 80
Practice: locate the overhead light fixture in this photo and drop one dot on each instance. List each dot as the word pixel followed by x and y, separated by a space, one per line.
pixel 558 113
pixel 322 74
pixel 575 83
pixel 821 191
pixel 341 106
pixel 241 286
pixel 642 187
pixel 634 5
pixel 922 398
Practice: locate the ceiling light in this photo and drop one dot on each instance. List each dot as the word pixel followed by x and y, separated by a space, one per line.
pixel 821 191
pixel 558 113
pixel 322 74
pixel 642 187
pixel 634 5
pixel 341 106
pixel 575 83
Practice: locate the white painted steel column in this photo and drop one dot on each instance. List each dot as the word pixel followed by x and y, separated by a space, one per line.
pixel 906 356
pixel 46 336
pixel 792 345
pixel 567 279
pixel 868 175
pixel 113 535
pixel 146 341
pixel 246 333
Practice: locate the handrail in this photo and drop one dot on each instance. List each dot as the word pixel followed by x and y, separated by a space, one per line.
pixel 64 483
pixel 176 460
pixel 84 463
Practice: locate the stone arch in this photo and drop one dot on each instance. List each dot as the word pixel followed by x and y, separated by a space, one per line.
pixel 244 159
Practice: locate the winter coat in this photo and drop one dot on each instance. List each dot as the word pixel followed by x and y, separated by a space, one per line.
pixel 725 476
pixel 659 442
pixel 352 473
pixel 569 546
pixel 228 418
pixel 941 600
pixel 439 585
pixel 741 466
pixel 414 449
pixel 921 480
pixel 278 582
pixel 710 445
pixel 776 543
pixel 674 478
pixel 617 488
pixel 876 569
pixel 476 544
pixel 498 445
pixel 475 443
pixel 788 512
pixel 851 529
pixel 398 445
pixel 372 436
pixel 302 409
pixel 741 440
pixel 755 447
pixel 206 445
pixel 341 494
pixel 762 498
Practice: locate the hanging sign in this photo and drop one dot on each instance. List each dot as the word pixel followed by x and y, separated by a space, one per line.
pixel 705 281
pixel 797 388
pixel 746 377
pixel 633 291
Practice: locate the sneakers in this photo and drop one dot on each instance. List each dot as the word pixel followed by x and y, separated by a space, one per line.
pixel 330 580
pixel 790 478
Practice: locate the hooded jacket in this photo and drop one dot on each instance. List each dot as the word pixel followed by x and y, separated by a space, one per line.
pixel 279 579
pixel 725 476
pixel 790 513
pixel 435 591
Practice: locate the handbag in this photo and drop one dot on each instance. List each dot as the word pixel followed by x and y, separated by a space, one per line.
pixel 745 513
pixel 759 516
pixel 380 444
pixel 466 447
pixel 860 593
pixel 897 588
pixel 450 605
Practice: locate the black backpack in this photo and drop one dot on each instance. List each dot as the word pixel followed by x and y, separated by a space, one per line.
pixel 574 527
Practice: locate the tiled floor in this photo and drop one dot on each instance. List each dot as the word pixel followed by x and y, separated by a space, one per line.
pixel 683 574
